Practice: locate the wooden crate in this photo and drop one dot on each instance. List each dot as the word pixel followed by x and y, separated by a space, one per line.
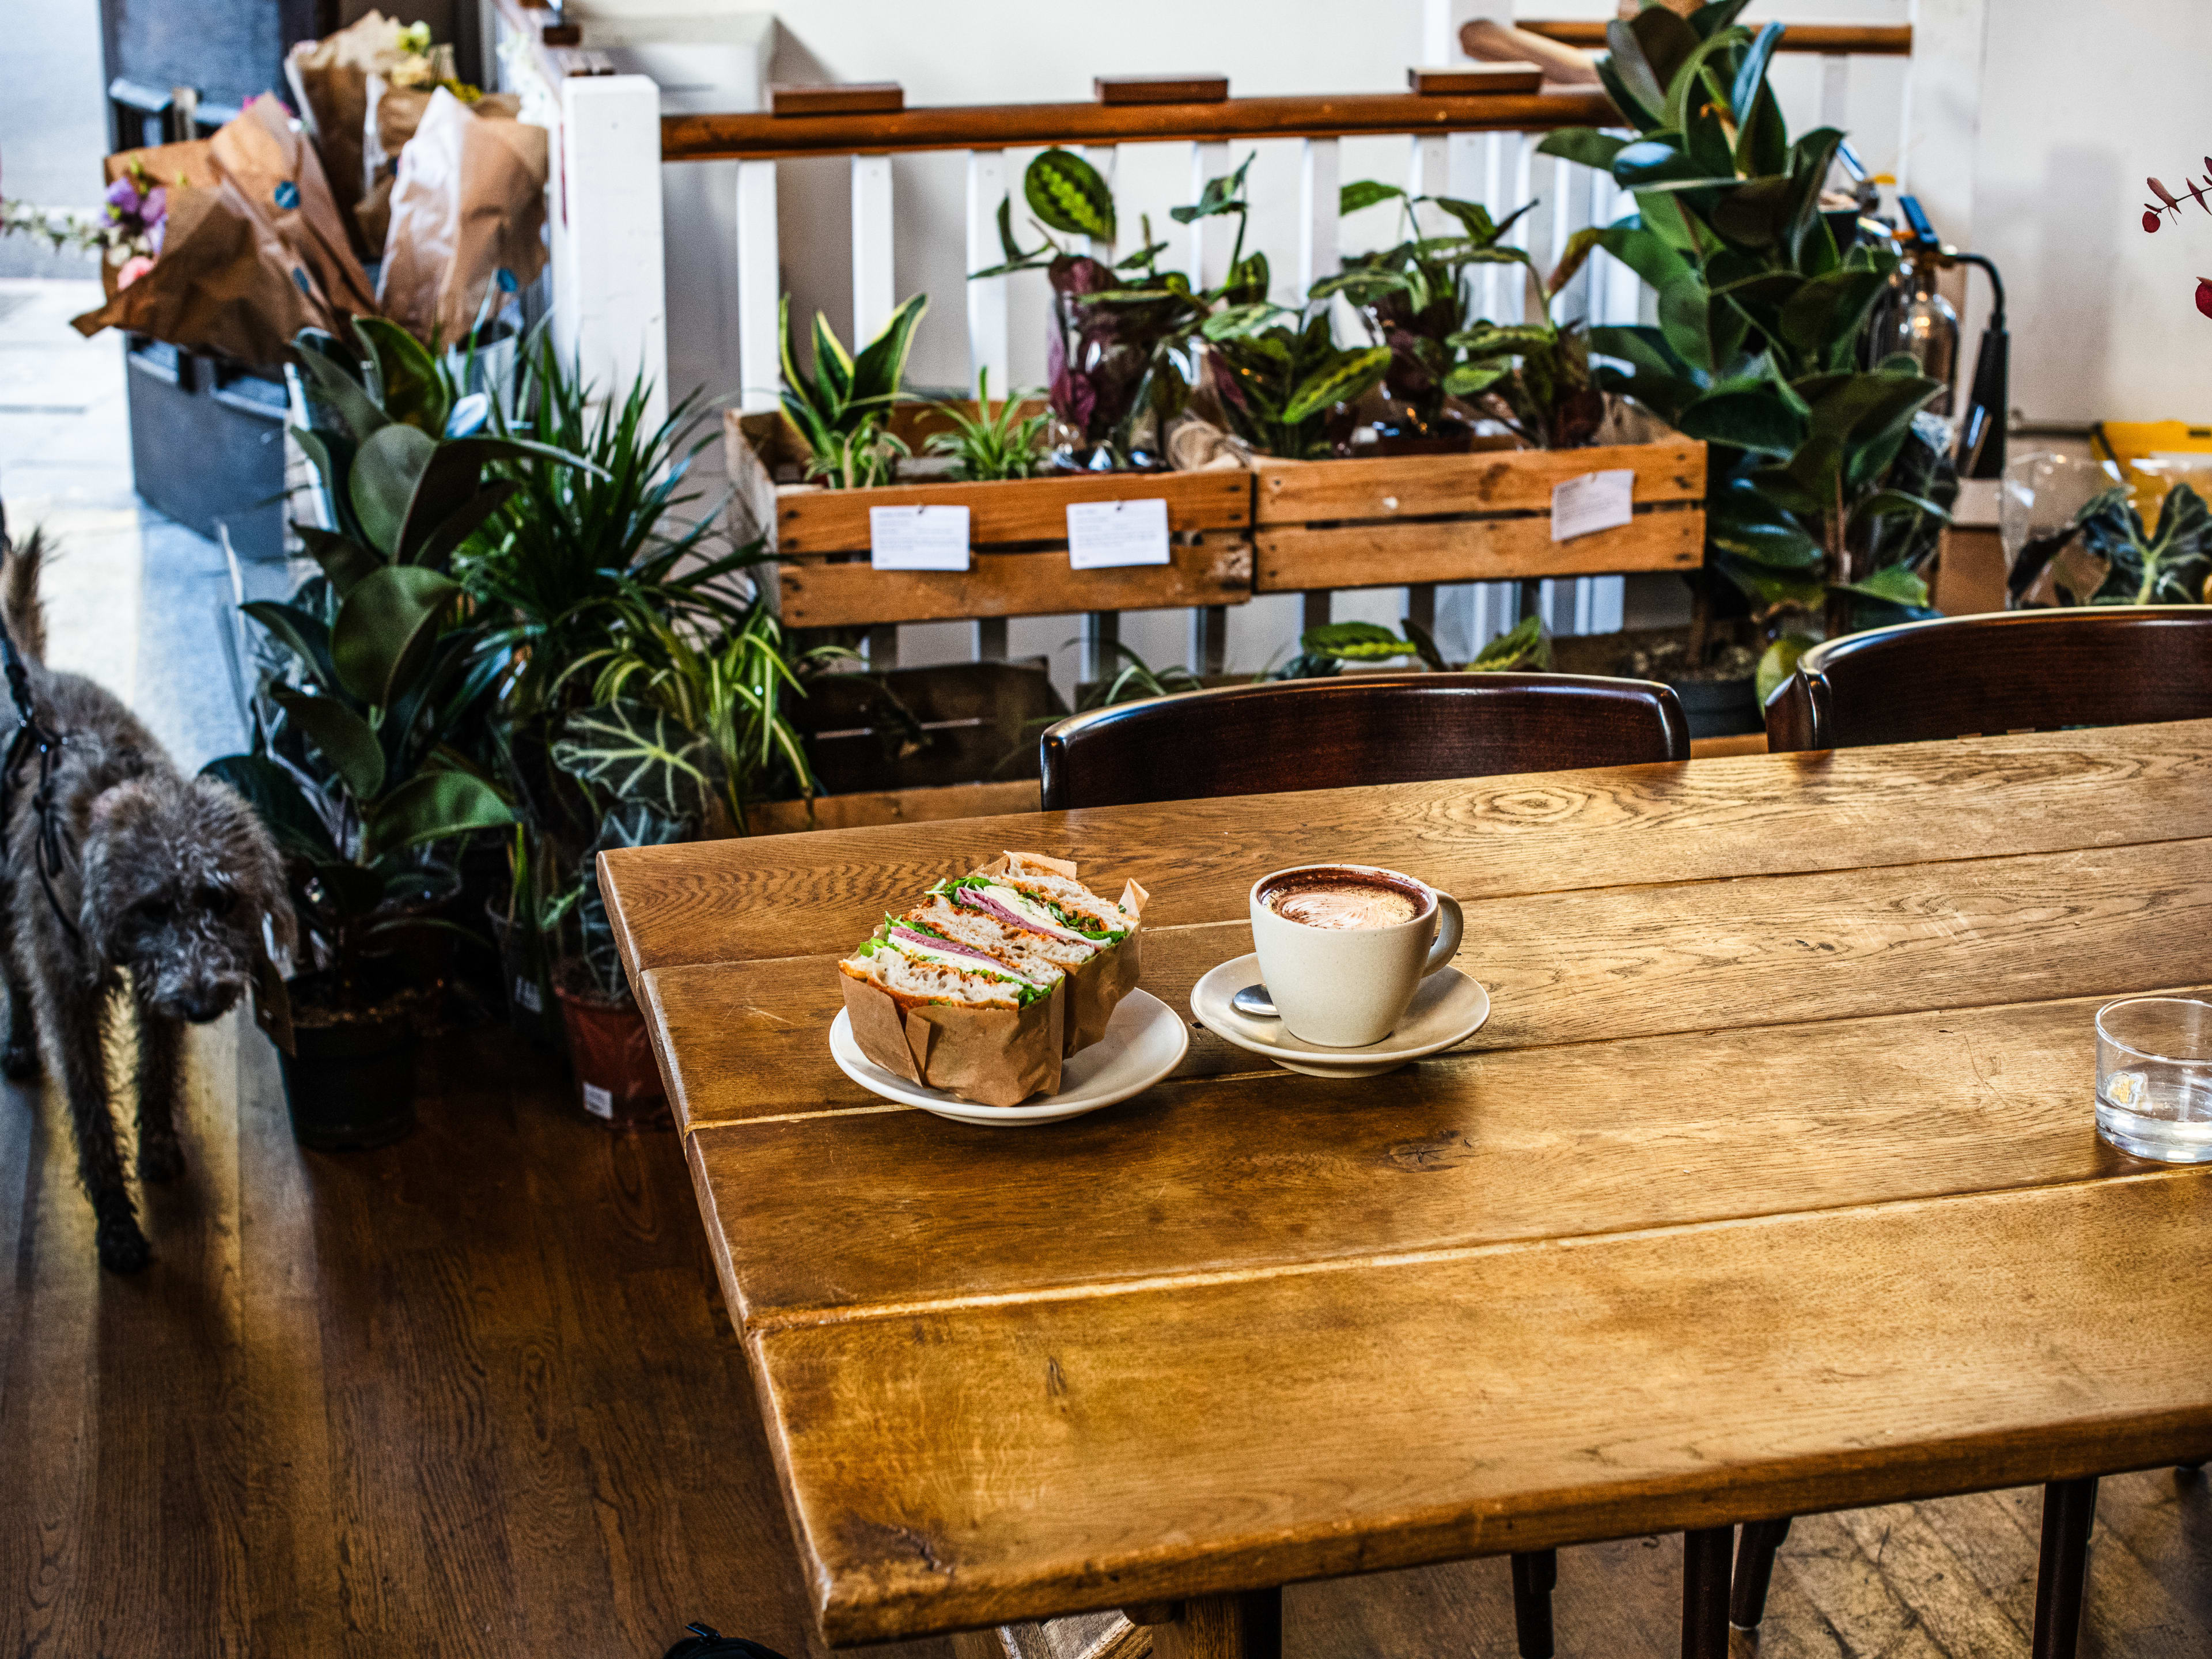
pixel 1480 517
pixel 1018 532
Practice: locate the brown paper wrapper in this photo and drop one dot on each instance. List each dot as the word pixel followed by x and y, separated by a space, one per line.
pixel 469 200
pixel 1094 989
pixel 993 1056
pixel 329 83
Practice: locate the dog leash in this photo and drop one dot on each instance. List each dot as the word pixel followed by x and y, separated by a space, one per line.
pixel 46 851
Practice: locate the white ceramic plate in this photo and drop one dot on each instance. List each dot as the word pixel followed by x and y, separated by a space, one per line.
pixel 1145 1041
pixel 1448 1008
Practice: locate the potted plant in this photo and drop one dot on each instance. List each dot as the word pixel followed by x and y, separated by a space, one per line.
pixel 991 445
pixel 353 768
pixel 843 408
pixel 1825 495
pixel 685 734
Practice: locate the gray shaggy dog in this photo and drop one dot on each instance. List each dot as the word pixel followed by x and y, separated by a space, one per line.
pixel 163 884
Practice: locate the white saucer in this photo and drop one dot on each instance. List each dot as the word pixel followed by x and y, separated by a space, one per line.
pixel 1447 1009
pixel 1144 1041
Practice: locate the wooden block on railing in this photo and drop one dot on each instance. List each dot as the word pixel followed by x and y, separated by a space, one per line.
pixel 1475 79
pixel 851 98
pixel 1480 517
pixel 1160 88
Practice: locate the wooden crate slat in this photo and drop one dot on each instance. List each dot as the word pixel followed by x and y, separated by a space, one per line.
pixel 810 520
pixel 1216 571
pixel 1411 486
pixel 1297 558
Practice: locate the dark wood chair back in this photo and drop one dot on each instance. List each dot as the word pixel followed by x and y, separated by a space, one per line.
pixel 2020 671
pixel 1329 734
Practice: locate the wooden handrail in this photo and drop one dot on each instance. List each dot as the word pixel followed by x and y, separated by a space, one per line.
pixel 1000 126
pixel 1861 39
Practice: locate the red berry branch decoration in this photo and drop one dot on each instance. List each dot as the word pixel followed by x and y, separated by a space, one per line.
pixel 2155 215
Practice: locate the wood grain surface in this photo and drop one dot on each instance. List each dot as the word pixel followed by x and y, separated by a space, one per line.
pixel 813 519
pixel 1216 569
pixel 1293 558
pixel 780 897
pixel 1415 486
pixel 1770 1186
pixel 1098 1447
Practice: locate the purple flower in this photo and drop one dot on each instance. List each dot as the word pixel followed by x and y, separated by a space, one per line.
pixel 122 198
pixel 155 208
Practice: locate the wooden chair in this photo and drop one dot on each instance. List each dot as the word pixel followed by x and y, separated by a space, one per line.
pixel 1369 728
pixel 2012 671
pixel 2015 671
pixel 1385 728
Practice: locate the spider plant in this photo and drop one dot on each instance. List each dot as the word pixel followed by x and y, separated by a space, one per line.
pixel 991 444
pixel 843 407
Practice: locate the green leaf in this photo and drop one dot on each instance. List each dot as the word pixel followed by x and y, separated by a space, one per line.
pixel 1779 662
pixel 343 561
pixel 1898 504
pixel 1364 194
pixel 1685 321
pixel 1586 145
pixel 1895 586
pixel 1220 196
pixel 1646 92
pixel 1469 380
pixel 386 629
pixel 342 737
pixel 1762 143
pixel 1352 375
pixel 881 366
pixel 413 390
pixel 435 550
pixel 1647 253
pixel 636 753
pixel 385 474
pixel 1355 641
pixel 1773 589
pixel 329 389
pixel 432 806
pixel 1710 20
pixel 278 800
pixel 1741 521
pixel 1578 249
pixel 1757 214
pixel 1068 194
pixel 1520 646
pixel 1760 419
pixel 1751 74
pixel 305 635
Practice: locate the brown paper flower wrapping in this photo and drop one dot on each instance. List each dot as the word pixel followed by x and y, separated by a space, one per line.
pixel 329 81
pixel 993 1056
pixel 468 202
pixel 1097 987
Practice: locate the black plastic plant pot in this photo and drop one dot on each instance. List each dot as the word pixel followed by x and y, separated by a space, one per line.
pixel 351 1084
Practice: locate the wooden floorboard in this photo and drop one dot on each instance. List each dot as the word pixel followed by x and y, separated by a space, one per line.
pixel 477 1394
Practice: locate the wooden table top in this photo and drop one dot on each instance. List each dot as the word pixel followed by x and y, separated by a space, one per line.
pixel 1771 1185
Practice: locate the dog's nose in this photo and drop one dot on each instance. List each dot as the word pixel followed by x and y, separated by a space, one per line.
pixel 202 1007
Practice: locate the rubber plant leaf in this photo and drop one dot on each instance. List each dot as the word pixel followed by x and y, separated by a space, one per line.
pixel 342 737
pixel 1666 41
pixel 1708 20
pixel 414 392
pixel 1759 419
pixel 1068 194
pixel 385 474
pixel 1646 253
pixel 330 389
pixel 1685 86
pixel 432 806
pixel 278 801
pixel 344 560
pixel 1587 145
pixel 1750 74
pixel 1779 663
pixel 1762 143
pixel 1893 585
pixel 635 752
pixel 1634 71
pixel 435 550
pixel 346 888
pixel 306 636
pixel 386 629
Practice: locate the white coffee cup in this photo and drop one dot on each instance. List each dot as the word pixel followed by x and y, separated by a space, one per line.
pixel 1346 986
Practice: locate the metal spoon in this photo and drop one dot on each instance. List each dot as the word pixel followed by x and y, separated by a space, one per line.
pixel 1255 1002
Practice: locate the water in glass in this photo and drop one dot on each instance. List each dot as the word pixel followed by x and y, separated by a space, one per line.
pixel 2154 1077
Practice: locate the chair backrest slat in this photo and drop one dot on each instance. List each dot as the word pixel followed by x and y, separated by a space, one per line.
pixel 1364 729
pixel 2012 671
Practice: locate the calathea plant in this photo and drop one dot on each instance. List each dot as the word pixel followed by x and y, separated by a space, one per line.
pixel 843 408
pixel 352 768
pixel 1327 650
pixel 1280 384
pixel 1822 497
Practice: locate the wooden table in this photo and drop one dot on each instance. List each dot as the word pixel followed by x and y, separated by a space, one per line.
pixel 1771 1185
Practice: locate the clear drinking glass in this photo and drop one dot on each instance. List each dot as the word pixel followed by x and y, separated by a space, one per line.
pixel 2154 1077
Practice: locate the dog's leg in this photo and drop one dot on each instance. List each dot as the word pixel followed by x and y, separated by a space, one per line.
pixel 18 1059
pixel 161 1082
pixel 73 1017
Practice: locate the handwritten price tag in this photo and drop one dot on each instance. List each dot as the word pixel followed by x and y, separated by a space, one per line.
pixel 918 538
pixel 1594 501
pixel 1103 534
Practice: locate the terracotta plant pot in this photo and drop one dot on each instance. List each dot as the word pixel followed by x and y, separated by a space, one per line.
pixel 616 1080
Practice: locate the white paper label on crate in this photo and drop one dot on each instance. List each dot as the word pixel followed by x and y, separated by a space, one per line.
pixel 1594 501
pixel 525 995
pixel 599 1103
pixel 918 538
pixel 1103 534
